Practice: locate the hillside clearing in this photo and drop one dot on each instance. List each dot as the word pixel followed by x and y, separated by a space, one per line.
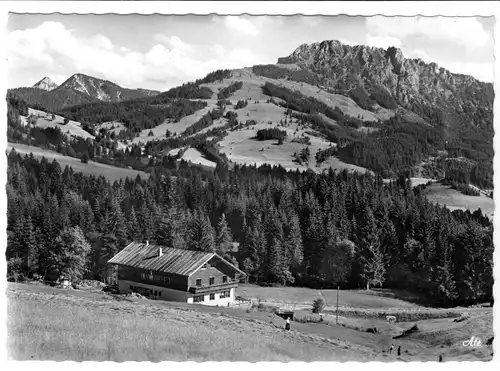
pixel 118 126
pixel 194 156
pixel 44 120
pixel 174 127
pixel 455 200
pixel 111 173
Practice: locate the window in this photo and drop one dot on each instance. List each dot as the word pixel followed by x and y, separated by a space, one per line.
pixel 159 294
pixel 198 282
pixel 212 296
pixel 198 299
pixel 167 280
pixel 224 279
pixel 212 280
pixel 225 294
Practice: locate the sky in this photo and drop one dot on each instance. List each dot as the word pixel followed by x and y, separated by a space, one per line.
pixel 159 52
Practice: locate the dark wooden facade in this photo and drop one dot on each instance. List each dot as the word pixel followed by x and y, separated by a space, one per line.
pixel 160 279
pixel 215 276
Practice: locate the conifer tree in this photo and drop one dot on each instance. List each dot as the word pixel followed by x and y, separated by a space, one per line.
pixel 134 230
pixel 293 243
pixel 201 234
pixel 224 238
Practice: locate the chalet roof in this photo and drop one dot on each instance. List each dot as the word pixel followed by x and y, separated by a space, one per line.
pixel 175 261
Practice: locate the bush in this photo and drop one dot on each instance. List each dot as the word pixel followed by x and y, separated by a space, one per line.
pixel 307 317
pixel 411 330
pixel 263 307
pixel 14 270
pixel 318 305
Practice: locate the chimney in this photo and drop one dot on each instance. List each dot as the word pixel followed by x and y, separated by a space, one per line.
pixel 147 243
pixel 160 251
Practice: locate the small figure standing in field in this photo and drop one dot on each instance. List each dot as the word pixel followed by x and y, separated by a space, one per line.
pixel 399 350
pixel 391 348
pixel 287 325
pixel 440 358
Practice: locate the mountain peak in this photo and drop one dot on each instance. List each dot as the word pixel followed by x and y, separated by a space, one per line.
pixel 46 84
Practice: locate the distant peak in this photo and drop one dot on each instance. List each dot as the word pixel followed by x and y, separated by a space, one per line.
pixel 46 84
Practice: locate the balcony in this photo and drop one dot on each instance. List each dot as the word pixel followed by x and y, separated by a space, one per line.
pixel 207 289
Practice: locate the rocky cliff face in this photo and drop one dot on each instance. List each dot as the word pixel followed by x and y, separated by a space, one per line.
pixel 46 84
pixel 407 80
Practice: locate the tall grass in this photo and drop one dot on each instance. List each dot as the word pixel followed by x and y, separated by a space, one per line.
pixel 50 327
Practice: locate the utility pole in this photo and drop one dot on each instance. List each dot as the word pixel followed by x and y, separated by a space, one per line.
pixel 337 321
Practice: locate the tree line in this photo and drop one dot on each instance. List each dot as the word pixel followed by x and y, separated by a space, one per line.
pixel 293 228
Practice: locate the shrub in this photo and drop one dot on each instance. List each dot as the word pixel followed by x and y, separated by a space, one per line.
pixel 241 104
pixel 14 270
pixel 307 317
pixel 318 305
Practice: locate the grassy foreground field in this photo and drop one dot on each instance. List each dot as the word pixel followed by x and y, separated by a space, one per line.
pixel 111 173
pixel 60 326
pixel 46 323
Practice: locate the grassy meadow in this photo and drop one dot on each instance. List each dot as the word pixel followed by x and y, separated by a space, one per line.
pixel 301 295
pixel 111 173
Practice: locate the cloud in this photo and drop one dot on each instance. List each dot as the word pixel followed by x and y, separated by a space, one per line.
pixel 347 42
pixel 467 32
pixel 53 50
pixel 418 53
pixel 240 24
pixel 382 41
pixel 312 21
pixel 481 71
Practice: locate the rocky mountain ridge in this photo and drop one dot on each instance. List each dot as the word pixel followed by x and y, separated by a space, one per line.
pixel 406 79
